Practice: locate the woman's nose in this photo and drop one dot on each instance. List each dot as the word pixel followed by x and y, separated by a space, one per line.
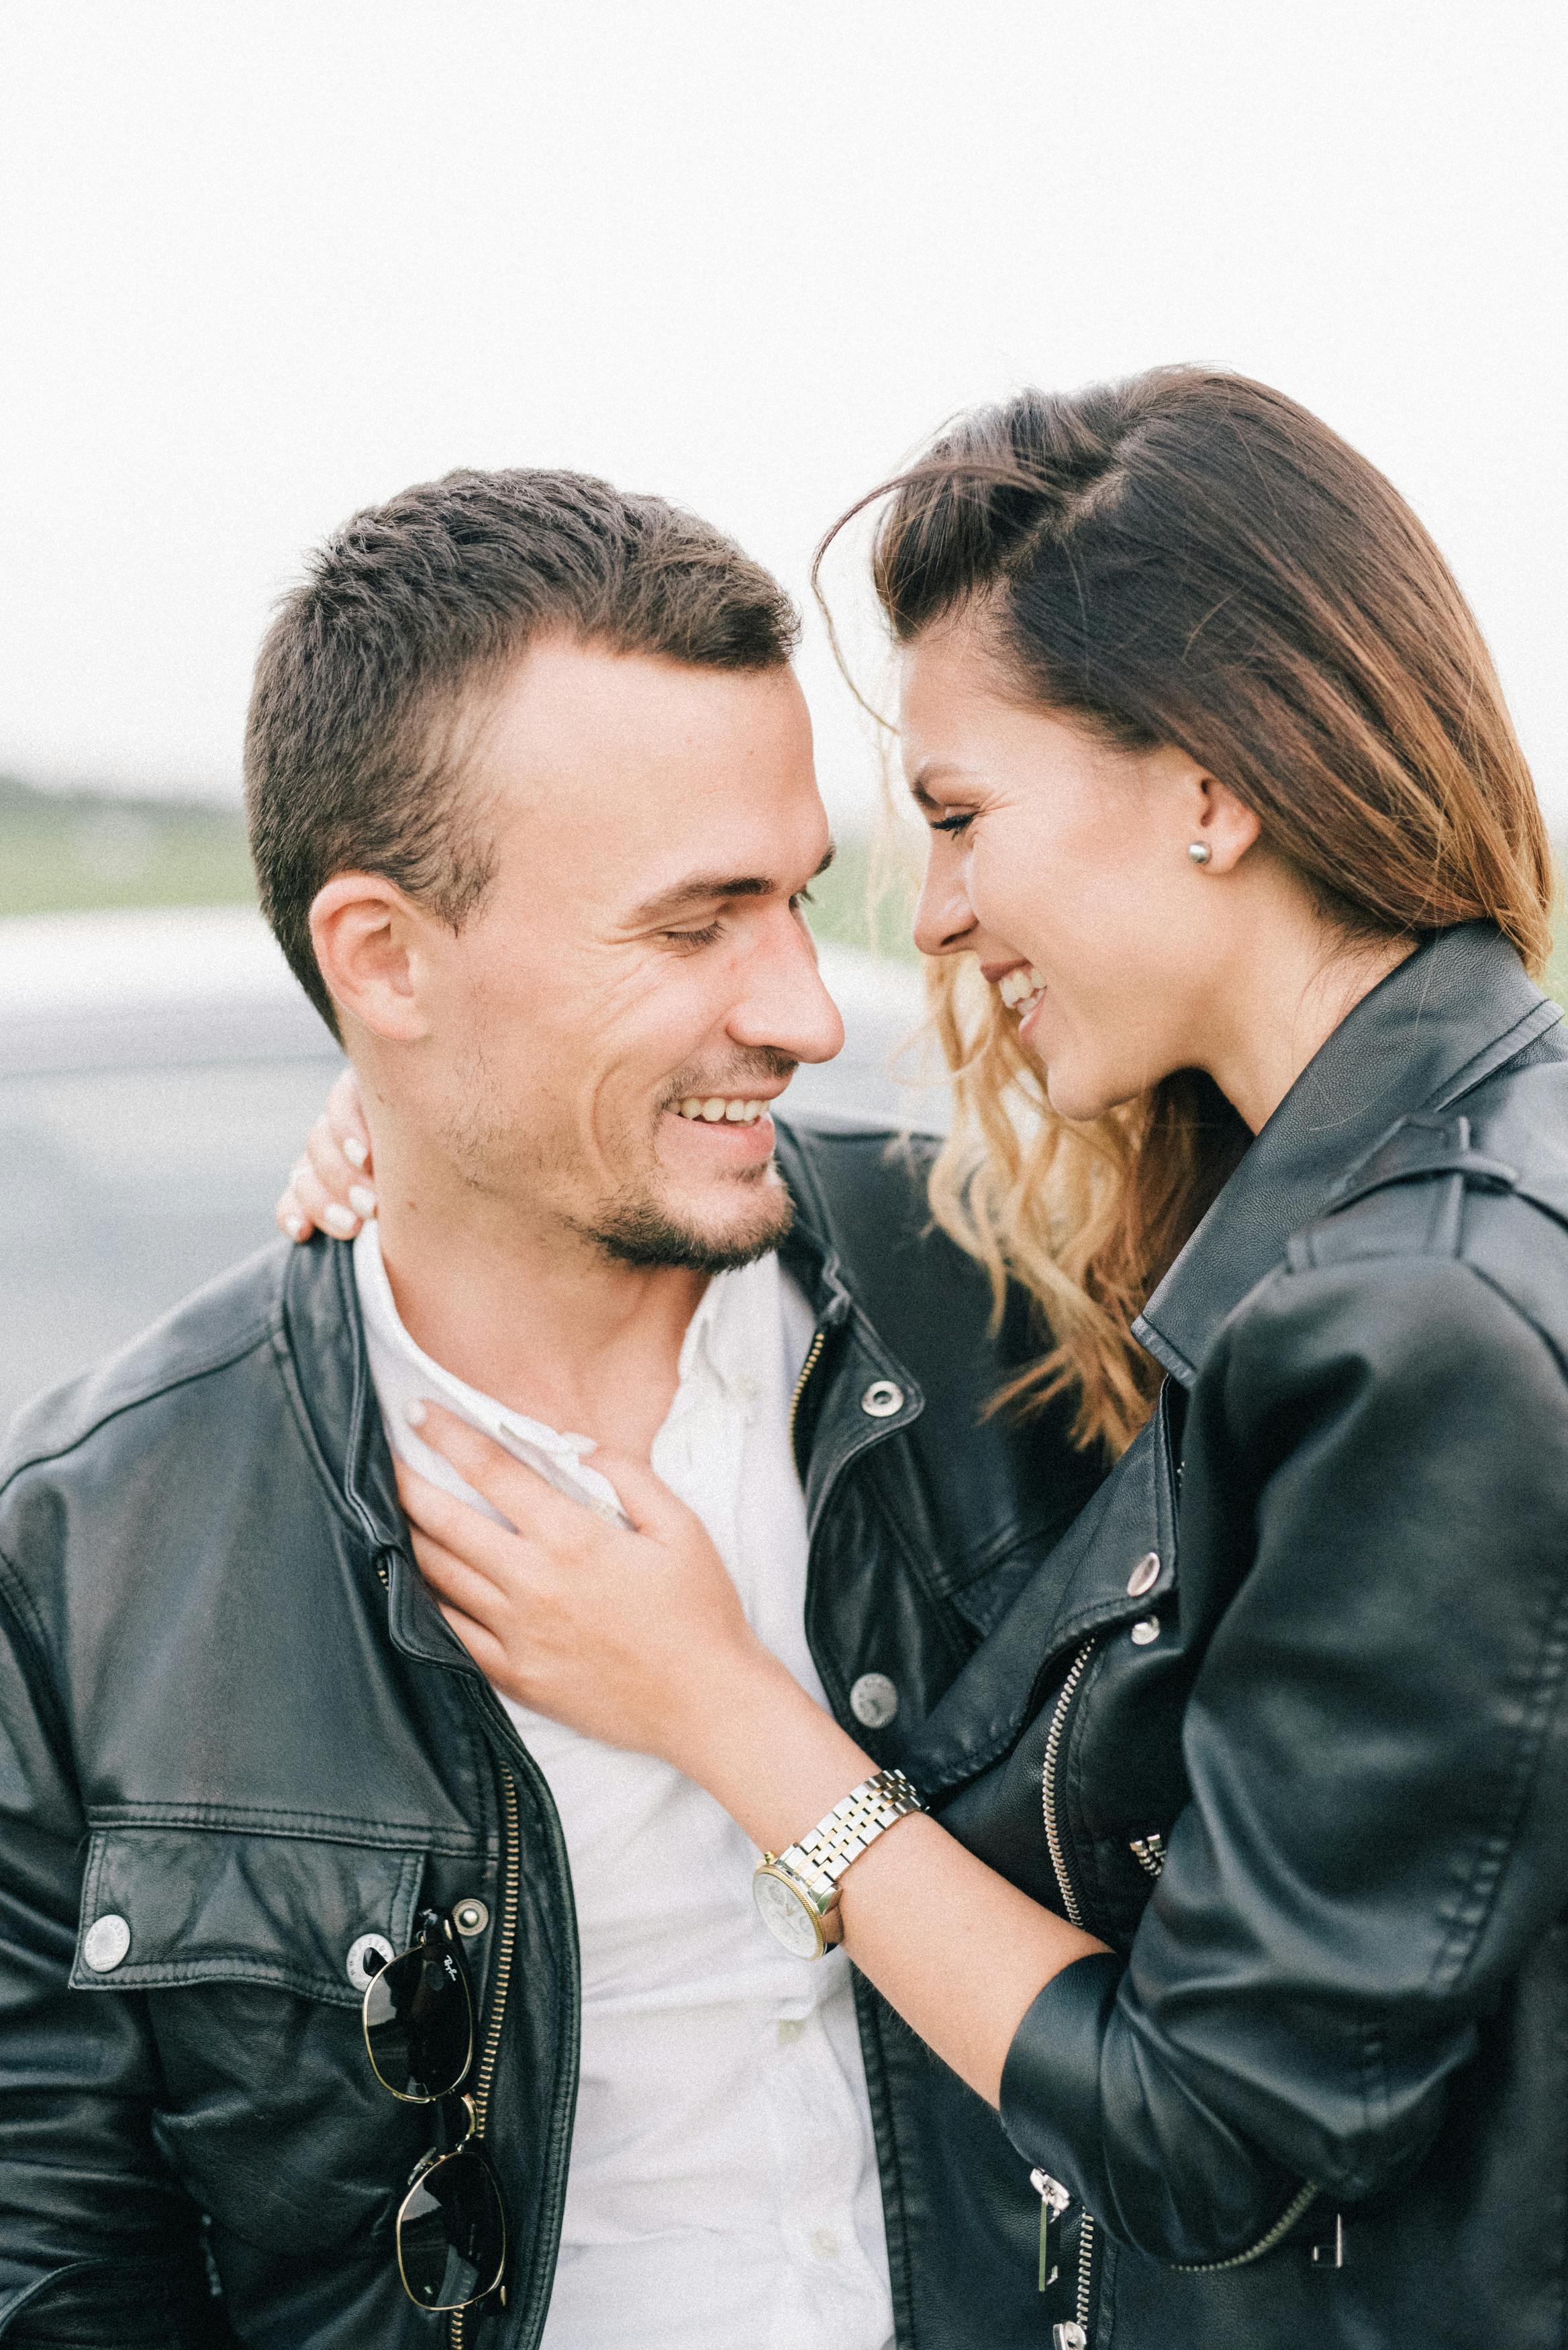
pixel 944 918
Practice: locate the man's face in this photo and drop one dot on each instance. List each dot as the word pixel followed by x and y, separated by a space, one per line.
pixel 641 951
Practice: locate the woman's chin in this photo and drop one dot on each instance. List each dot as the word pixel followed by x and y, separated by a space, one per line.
pixel 1082 1095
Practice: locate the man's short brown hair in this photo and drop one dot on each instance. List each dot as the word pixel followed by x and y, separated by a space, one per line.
pixel 353 752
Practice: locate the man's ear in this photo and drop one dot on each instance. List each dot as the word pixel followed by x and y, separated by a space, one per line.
pixel 368 940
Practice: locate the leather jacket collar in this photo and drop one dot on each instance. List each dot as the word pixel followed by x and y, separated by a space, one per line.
pixel 1451 1013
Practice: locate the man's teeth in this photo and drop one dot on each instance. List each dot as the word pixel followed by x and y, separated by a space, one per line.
pixel 1021 988
pixel 719 1108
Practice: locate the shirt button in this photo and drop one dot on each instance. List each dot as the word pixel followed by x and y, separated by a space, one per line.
pixel 1144 1576
pixel 790 2031
pixel 882 1398
pixel 825 2243
pixel 369 1948
pixel 1145 1629
pixel 874 1700
pixel 106 1944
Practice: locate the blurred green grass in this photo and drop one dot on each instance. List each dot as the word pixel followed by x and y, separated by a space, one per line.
pixel 60 851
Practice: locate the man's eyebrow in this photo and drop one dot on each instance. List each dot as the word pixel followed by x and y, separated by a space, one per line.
pixel 702 888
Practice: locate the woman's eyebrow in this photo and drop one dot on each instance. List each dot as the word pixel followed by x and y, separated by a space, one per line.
pixel 928 774
pixel 702 888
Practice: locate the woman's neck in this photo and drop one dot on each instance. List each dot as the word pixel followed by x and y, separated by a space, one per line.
pixel 1309 984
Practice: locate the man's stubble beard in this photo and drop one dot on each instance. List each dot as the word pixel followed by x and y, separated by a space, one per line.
pixel 644 1232
pixel 637 1227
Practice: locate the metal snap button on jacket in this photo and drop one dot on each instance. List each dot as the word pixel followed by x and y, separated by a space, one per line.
pixel 1145 1629
pixel 106 1944
pixel 882 1398
pixel 1145 1576
pixel 368 1946
pixel 874 1700
pixel 471 1916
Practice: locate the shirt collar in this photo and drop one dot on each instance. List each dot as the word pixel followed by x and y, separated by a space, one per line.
pixel 736 1320
pixel 728 1336
pixel 1458 1008
pixel 385 1330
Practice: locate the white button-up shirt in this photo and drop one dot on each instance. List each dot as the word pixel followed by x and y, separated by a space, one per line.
pixel 724 2190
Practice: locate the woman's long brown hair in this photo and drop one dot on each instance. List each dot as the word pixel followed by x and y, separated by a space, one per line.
pixel 1191 559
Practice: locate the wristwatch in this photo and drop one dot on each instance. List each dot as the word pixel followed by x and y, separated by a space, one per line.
pixel 797 1892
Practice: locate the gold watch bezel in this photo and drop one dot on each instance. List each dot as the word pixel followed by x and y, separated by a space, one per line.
pixel 819 1911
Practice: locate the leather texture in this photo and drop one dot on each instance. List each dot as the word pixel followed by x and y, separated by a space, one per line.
pixel 1310 1786
pixel 231 1716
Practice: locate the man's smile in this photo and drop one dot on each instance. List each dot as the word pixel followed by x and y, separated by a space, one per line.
pixel 727 1106
pixel 717 1131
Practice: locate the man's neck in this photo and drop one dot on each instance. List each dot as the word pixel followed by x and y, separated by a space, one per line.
pixel 545 1323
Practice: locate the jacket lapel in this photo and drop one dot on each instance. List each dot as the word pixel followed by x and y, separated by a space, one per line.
pixel 1457 1009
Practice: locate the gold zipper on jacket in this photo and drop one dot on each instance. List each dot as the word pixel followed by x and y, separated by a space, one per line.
pixel 1148 1851
pixel 1074 2334
pixel 1276 2234
pixel 1073 1915
pixel 814 1355
pixel 505 1948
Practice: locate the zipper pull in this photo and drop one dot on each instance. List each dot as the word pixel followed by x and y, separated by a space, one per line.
pixel 1071 2336
pixel 1330 2253
pixel 1053 2201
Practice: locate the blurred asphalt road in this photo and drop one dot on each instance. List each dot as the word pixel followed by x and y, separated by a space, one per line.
pixel 158 1074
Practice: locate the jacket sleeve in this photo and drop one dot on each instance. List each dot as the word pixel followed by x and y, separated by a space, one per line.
pixel 1374 1566
pixel 98 2245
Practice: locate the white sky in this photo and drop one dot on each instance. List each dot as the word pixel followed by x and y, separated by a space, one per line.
pixel 264 260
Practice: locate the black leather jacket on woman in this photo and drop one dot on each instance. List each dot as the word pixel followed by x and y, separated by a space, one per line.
pixel 1284 1721
pixel 232 1718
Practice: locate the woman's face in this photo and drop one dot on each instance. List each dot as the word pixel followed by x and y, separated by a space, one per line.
pixel 1064 867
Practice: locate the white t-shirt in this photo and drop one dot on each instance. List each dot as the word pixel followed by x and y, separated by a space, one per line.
pixel 724 2190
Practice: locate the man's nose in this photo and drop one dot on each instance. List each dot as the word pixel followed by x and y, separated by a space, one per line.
pixel 787 1007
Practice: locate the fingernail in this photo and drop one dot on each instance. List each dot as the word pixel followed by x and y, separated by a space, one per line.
pixel 338 1220
pixel 361 1201
pixel 414 1413
pixel 354 1150
pixel 294 1227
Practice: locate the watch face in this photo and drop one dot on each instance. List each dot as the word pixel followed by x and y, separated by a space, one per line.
pixel 785 1916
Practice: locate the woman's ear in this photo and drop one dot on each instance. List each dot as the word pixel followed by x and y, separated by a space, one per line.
pixel 1221 823
pixel 366 937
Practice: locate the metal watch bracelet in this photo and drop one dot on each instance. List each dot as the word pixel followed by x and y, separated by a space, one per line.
pixel 819 1859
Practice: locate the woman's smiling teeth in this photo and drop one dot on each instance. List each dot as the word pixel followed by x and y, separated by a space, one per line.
pixel 1022 989
pixel 718 1108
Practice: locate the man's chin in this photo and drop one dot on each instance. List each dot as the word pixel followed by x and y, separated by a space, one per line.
pixel 698 1236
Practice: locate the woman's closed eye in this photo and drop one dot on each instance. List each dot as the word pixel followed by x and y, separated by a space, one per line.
pixel 957 821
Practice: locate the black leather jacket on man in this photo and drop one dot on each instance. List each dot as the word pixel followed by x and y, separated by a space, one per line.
pixel 232 1717
pixel 1284 1721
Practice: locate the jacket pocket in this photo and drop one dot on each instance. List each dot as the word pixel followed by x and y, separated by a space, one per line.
pixel 163 1906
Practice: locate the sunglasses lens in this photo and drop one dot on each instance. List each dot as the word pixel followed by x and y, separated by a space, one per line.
pixel 452 2234
pixel 419 2025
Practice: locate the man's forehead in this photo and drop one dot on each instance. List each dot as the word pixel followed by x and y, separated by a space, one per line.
pixel 566 706
pixel 657 781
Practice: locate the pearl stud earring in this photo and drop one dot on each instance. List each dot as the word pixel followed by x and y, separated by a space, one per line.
pixel 1200 852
